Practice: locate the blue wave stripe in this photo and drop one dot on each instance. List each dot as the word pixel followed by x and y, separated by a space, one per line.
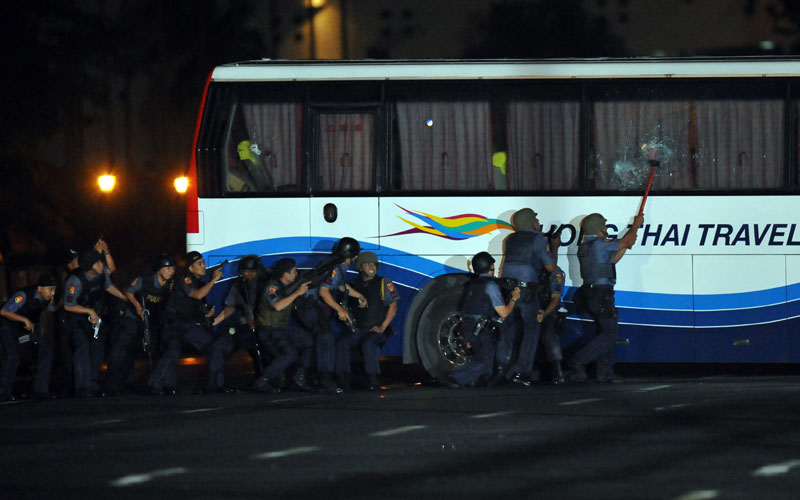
pixel 644 300
pixel 741 300
pixel 740 316
pixel 655 317
pixel 793 292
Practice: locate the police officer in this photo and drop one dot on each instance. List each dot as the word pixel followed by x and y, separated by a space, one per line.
pixel 598 256
pixel 17 319
pixel 549 318
pixel 526 254
pixel 84 304
pixel 188 321
pixel 243 298
pixel 289 343
pixel 372 322
pixel 146 295
pixel 314 314
pixel 481 304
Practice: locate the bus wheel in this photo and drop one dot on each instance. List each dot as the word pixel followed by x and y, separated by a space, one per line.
pixel 439 341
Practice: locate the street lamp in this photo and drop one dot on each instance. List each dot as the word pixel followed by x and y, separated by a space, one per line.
pixel 181 184
pixel 106 182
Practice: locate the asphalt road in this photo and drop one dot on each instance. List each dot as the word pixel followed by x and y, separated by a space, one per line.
pixel 664 437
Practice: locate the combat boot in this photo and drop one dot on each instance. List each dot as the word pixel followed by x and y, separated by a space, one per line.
pixel 373 382
pixel 343 378
pixel 557 373
pixel 265 384
pixel 326 384
pixel 499 376
pixel 300 380
pixel 577 371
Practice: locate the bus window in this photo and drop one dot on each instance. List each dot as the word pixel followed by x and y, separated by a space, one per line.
pixel 543 145
pixel 444 146
pixel 345 151
pixel 712 137
pixel 264 148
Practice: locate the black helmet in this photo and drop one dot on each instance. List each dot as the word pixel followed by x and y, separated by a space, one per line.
pixel 165 260
pixel 249 263
pixel 482 262
pixel 346 248
pixel 88 259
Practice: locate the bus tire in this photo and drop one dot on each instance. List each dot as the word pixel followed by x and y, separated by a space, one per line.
pixel 439 342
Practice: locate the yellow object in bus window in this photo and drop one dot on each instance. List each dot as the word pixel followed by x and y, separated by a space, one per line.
pixel 499 161
pixel 246 151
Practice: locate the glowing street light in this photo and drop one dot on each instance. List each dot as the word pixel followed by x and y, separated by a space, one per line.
pixel 106 183
pixel 181 184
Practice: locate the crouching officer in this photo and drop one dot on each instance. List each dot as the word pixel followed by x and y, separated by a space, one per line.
pixel 552 322
pixel 289 343
pixel 598 256
pixel 147 297
pixel 187 318
pixel 18 319
pixel 481 304
pixel 83 302
pixel 526 254
pixel 243 298
pixel 373 323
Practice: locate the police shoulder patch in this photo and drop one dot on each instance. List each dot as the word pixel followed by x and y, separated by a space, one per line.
pixel 135 280
pixel 272 290
pixel 71 289
pixel 187 280
pixel 559 277
pixel 18 299
pixel 390 286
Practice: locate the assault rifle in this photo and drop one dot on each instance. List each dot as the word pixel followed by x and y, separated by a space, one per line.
pixel 316 275
pixel 147 334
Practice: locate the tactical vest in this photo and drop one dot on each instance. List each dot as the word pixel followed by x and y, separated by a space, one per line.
pixel 92 292
pixel 267 315
pixel 475 301
pixel 248 312
pixel 155 296
pixel 520 250
pixel 591 270
pixel 375 312
pixel 30 309
pixel 185 307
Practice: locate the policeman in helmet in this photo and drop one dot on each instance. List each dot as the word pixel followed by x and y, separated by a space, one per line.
pixel 314 314
pixel 598 256
pixel 526 254
pixel 83 301
pixel 17 327
pixel 188 322
pixel 372 322
pixel 147 296
pixel 481 303
pixel 243 299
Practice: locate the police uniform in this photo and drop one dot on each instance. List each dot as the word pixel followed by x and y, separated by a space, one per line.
pixel 243 296
pixel 288 343
pixel 325 341
pixel 29 304
pixel 155 295
pixel 88 348
pixel 596 257
pixel 481 295
pixel 186 323
pixel 380 293
pixel 550 337
pixel 526 255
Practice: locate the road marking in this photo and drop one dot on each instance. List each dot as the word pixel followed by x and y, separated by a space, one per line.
pixel 299 398
pixel 492 415
pixel 199 410
pixel 11 402
pixel 670 407
pixel 397 430
pixel 285 453
pixel 654 388
pixel 132 479
pixel 112 421
pixel 776 469
pixel 699 495
pixel 580 401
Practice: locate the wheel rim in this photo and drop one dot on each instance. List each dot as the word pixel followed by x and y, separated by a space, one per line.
pixel 451 343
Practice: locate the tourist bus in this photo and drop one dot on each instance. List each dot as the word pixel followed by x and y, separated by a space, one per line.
pixel 424 162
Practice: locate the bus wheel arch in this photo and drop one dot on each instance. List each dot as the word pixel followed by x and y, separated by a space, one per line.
pixel 434 325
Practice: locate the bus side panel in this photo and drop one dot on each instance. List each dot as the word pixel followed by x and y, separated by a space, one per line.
pixel 740 308
pixel 793 306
